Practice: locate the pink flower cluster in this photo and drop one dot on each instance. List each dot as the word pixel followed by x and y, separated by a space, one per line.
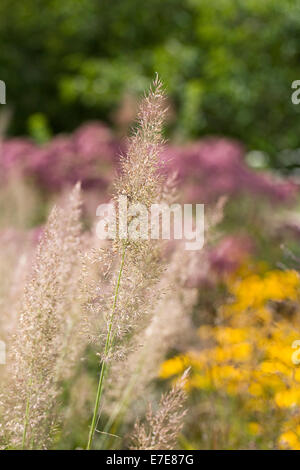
pixel 206 169
pixel 88 155
pixel 212 167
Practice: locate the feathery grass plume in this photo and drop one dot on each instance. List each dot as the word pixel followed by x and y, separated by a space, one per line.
pixel 171 327
pixel 161 428
pixel 43 347
pixel 130 268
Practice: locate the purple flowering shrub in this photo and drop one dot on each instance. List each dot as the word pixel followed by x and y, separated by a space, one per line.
pixel 206 169
pixel 88 155
pixel 212 167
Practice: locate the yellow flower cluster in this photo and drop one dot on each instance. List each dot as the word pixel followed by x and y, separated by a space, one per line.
pixel 248 354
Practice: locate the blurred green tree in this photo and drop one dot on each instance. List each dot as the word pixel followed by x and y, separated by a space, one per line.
pixel 228 65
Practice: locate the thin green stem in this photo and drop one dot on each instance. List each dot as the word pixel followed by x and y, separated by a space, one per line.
pixel 108 344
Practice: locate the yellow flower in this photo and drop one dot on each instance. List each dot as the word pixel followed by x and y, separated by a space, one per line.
pixel 174 366
pixel 236 352
pixel 199 381
pixel 249 355
pixel 254 428
pixel 274 367
pixel 255 290
pixel 287 398
pixel 231 335
pixel 297 374
pixel 280 352
pixel 255 389
pixel 226 372
pixel 241 352
pixel 289 439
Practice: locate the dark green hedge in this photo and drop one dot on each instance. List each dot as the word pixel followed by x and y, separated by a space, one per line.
pixel 228 64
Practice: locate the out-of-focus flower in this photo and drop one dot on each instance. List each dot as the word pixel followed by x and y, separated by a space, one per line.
pixel 230 253
pixel 206 169
pixel 214 166
pixel 89 155
pixel 254 428
pixel 247 354
pixel 290 440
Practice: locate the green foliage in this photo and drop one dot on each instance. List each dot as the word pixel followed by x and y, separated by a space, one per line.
pixel 228 65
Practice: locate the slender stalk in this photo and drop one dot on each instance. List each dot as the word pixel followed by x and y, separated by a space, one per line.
pixel 108 344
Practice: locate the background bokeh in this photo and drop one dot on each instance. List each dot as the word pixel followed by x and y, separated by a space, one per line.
pixel 227 65
pixel 74 72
